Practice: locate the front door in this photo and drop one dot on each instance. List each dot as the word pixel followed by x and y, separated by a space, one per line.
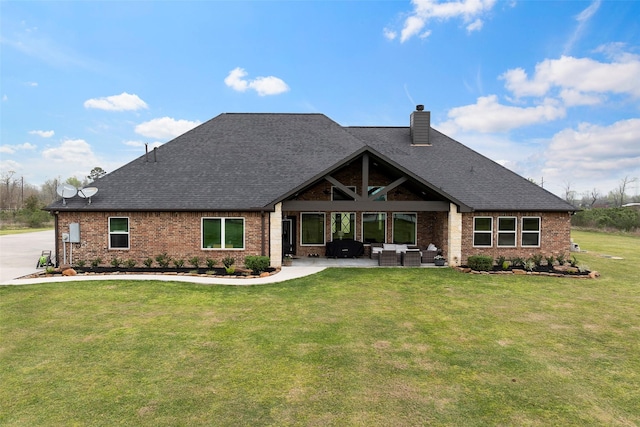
pixel 288 234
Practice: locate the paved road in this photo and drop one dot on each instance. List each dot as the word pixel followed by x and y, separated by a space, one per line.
pixel 19 253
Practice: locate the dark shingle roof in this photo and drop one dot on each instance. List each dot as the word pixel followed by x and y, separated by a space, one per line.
pixel 248 161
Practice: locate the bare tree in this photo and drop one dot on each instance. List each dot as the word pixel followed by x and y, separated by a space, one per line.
pixel 8 189
pixel 594 195
pixel 620 193
pixel 49 190
pixel 569 194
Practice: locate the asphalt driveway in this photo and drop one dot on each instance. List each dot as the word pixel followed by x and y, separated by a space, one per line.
pixel 19 253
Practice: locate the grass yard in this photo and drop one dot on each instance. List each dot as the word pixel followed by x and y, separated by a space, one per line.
pixel 7 231
pixel 346 347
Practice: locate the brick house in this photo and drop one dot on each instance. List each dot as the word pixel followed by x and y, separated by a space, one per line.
pixel 270 184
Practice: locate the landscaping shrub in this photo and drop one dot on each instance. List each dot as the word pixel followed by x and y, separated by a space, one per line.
pixel 480 262
pixel 257 264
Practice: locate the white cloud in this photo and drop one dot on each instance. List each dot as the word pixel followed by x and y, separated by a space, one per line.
pixel 389 34
pixel 592 154
pixel 5 98
pixel 580 75
pixel 32 84
pixel 470 11
pixel 71 152
pixel 122 102
pixel 165 127
pixel 263 85
pixel 10 149
pixel 475 25
pixel 488 115
pixel 583 19
pixel 42 133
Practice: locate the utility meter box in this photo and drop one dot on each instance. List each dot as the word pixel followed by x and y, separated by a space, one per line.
pixel 74 232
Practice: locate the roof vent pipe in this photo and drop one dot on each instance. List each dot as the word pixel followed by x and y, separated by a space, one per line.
pixel 155 154
pixel 420 126
pixel 146 152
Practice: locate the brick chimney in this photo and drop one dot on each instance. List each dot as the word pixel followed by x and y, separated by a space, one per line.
pixel 420 125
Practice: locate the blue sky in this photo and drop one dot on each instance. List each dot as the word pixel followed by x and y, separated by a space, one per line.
pixel 549 89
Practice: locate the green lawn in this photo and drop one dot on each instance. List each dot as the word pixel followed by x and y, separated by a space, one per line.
pixel 7 231
pixel 363 347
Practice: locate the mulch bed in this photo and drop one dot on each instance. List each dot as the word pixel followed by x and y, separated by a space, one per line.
pixel 543 270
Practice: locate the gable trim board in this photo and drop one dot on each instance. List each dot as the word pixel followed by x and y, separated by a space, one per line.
pixel 256 165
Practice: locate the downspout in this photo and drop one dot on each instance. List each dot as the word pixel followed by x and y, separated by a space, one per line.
pixel 55 242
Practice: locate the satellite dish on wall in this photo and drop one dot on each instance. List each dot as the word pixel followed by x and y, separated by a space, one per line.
pixel 66 191
pixel 87 192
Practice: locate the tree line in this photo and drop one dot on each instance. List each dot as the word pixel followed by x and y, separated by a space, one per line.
pixel 21 203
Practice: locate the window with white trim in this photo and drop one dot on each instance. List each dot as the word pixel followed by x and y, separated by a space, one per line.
pixel 374 227
pixel 343 226
pixel 507 231
pixel 482 231
pixel 312 228
pixel 530 231
pixel 118 233
pixel 222 233
pixel 405 228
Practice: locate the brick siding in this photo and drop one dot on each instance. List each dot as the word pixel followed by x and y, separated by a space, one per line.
pixel 152 233
pixel 555 235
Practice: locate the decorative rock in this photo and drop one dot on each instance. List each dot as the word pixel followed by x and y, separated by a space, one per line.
pixel 594 274
pixel 517 271
pixel 264 274
pixel 64 267
pixel 69 272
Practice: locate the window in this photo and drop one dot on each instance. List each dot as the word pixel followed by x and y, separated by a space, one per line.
pixel 405 228
pixel 338 194
pixel 223 233
pixel 373 190
pixel 374 227
pixel 530 231
pixel 312 228
pixel 507 231
pixel 482 231
pixel 343 226
pixel 118 233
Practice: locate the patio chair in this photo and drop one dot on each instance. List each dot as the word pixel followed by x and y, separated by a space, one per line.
pixel 411 258
pixel 388 258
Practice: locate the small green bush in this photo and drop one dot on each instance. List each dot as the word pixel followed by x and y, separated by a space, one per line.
pixel 517 261
pixel 130 263
pixel 501 260
pixel 116 262
pixel 81 263
pixel 178 263
pixel 195 261
pixel 228 261
pixel 480 262
pixel 550 260
pixel 163 260
pixel 148 262
pixel 537 259
pixel 257 264
pixel 96 262
pixel 211 263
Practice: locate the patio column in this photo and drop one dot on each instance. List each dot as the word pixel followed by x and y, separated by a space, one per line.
pixel 454 252
pixel 275 236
